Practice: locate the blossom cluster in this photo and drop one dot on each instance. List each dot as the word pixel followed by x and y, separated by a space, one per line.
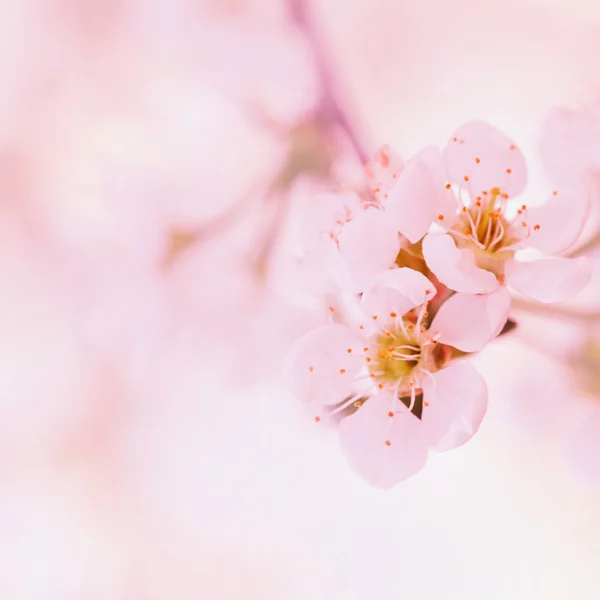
pixel 421 265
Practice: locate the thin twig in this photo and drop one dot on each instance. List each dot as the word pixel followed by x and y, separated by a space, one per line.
pixel 330 106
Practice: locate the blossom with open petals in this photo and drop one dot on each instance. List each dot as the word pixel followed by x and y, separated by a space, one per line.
pixel 392 352
pixel 478 249
pixel 348 238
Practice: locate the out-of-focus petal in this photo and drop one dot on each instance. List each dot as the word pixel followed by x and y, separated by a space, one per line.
pixel 570 144
pixel 325 217
pixel 469 321
pixel 454 404
pixel 549 280
pixel 319 369
pixel 369 244
pixel 556 225
pixel 396 292
pixel 479 157
pixel 455 267
pixel 384 449
pixel 415 201
pixel 383 172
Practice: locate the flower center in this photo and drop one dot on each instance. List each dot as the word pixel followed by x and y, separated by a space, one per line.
pixel 400 354
pixel 483 228
pixel 396 354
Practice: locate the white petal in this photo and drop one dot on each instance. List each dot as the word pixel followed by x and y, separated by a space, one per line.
pixel 369 244
pixel 556 225
pixel 413 202
pixel 469 321
pixel 454 405
pixel 396 292
pixel 455 267
pixel 384 450
pixel 549 280
pixel 319 369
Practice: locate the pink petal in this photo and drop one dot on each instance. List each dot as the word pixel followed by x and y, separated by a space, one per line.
pixel 369 244
pixel 319 369
pixel 556 225
pixel 384 450
pixel 415 201
pixel 549 280
pixel 455 267
pixel 325 218
pixel 456 405
pixel 396 292
pixel 446 201
pixel 383 172
pixel 468 321
pixel 479 157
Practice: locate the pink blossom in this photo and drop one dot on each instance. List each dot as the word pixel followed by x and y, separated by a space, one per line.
pixel 350 239
pixel 479 247
pixel 383 172
pixel 390 352
pixel 419 196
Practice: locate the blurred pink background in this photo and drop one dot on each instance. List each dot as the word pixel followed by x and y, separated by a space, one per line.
pixel 154 156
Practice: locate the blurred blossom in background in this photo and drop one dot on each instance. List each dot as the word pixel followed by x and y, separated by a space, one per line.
pixel 156 160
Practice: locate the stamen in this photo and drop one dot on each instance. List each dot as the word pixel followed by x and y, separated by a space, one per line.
pixel 409 357
pixel 488 233
pixel 465 237
pixel 413 396
pixel 499 234
pixel 422 313
pixel 407 347
pixel 346 404
pixel 430 375
pixel 473 226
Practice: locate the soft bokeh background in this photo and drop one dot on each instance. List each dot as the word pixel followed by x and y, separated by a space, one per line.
pixel 153 156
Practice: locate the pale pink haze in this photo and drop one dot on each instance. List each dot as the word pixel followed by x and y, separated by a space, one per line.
pixel 570 143
pixel 386 353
